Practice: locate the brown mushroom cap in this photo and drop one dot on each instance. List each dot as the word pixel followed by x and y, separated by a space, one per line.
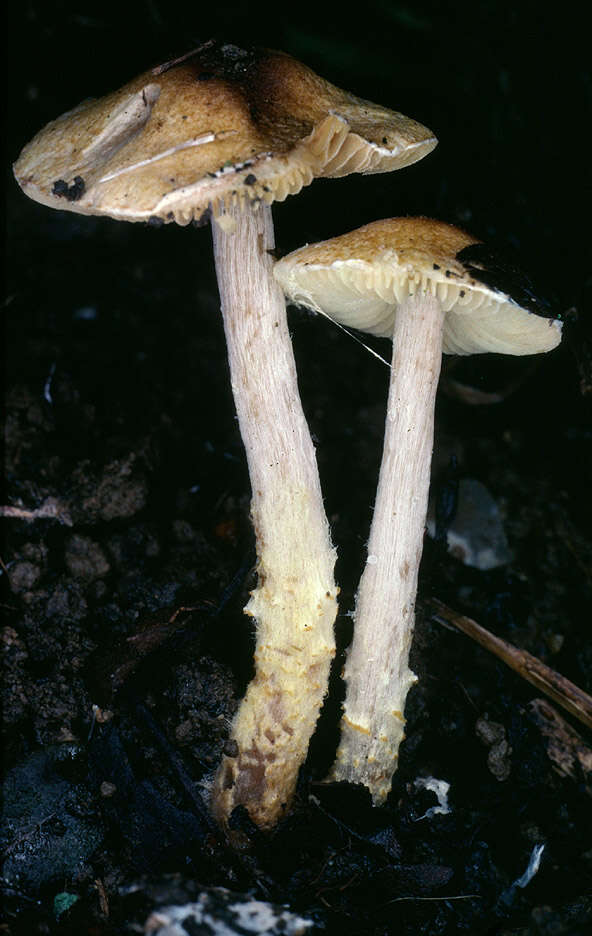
pixel 220 123
pixel 361 278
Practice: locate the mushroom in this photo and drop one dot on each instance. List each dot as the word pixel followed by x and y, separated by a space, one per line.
pixel 432 288
pixel 223 132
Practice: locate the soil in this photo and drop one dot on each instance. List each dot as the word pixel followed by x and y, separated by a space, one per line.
pixel 125 647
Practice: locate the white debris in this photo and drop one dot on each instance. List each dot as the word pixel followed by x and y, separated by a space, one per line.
pixel 47 384
pixel 476 535
pixel 219 912
pixel 533 866
pixel 440 788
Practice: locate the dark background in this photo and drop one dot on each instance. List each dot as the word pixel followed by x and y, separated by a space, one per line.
pixel 124 319
pixel 506 88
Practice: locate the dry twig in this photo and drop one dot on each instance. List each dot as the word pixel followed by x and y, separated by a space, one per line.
pixel 573 699
pixel 51 509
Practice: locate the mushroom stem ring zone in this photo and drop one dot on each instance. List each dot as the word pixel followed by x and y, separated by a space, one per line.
pixel 294 603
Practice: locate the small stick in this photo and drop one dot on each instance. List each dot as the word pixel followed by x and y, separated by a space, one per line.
pixel 50 509
pixel 573 699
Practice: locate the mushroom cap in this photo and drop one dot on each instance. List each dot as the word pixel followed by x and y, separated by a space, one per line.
pixel 360 279
pixel 219 123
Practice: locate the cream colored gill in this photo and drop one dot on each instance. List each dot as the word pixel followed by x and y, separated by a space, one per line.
pixel 367 296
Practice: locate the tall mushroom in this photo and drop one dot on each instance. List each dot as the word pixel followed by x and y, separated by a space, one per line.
pixel 432 288
pixel 224 132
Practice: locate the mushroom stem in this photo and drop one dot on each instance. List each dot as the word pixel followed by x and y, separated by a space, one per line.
pixel 377 670
pixel 294 603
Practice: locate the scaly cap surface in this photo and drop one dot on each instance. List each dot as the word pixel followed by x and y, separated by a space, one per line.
pixel 361 278
pixel 221 123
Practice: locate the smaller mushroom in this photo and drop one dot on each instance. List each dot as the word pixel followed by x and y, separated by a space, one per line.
pixel 432 288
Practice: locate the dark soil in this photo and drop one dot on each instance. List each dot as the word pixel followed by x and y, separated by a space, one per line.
pixel 125 649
